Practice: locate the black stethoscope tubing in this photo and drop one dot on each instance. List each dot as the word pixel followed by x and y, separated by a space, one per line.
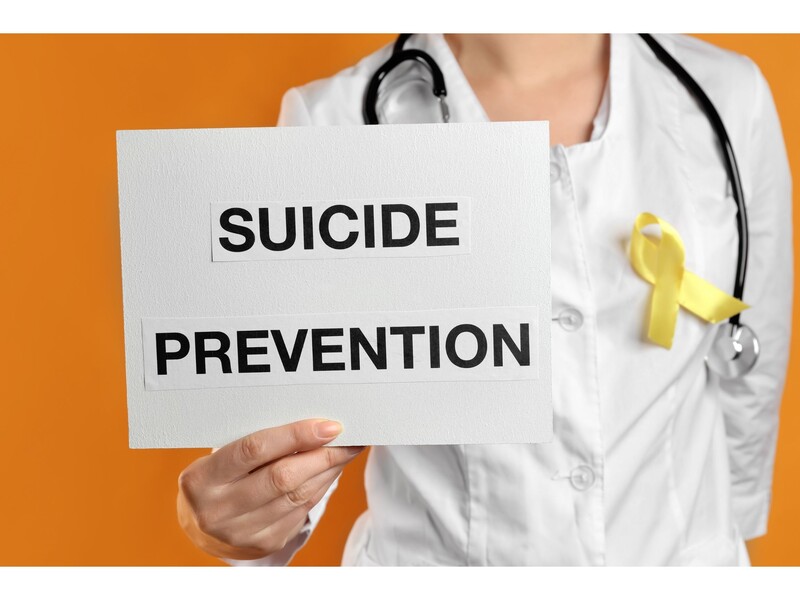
pixel 729 158
pixel 400 55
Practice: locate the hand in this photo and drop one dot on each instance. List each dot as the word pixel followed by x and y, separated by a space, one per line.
pixel 248 499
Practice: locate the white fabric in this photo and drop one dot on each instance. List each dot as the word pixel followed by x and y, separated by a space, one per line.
pixel 674 466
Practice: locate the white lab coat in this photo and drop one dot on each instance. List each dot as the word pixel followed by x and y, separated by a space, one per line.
pixel 655 461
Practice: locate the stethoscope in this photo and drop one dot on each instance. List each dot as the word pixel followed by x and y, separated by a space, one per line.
pixel 735 348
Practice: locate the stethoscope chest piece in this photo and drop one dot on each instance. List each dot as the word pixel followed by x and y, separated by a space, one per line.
pixel 734 351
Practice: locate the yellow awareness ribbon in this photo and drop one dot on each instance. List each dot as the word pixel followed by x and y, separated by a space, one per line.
pixel 661 264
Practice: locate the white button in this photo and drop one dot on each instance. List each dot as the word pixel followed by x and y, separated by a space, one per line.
pixel 570 319
pixel 582 478
pixel 555 172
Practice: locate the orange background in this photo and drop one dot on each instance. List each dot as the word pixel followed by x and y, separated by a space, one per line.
pixel 72 492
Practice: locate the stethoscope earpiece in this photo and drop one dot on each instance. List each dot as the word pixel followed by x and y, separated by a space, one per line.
pixel 734 351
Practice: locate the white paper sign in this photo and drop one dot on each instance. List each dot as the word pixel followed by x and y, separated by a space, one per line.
pixel 240 312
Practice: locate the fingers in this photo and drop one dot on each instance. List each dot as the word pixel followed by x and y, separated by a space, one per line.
pixel 288 527
pixel 238 458
pixel 250 497
pixel 271 526
pixel 293 479
pixel 275 537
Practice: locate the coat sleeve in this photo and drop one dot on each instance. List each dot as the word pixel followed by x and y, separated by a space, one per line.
pixel 293 110
pixel 751 403
pixel 293 113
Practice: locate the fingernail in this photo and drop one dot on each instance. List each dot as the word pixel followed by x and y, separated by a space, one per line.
pixel 326 430
pixel 354 450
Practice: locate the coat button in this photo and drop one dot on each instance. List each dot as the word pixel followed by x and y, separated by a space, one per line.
pixel 582 478
pixel 570 319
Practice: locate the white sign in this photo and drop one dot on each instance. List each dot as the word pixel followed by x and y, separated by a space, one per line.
pixel 241 314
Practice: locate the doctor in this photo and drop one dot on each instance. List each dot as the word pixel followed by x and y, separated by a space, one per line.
pixel 656 459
